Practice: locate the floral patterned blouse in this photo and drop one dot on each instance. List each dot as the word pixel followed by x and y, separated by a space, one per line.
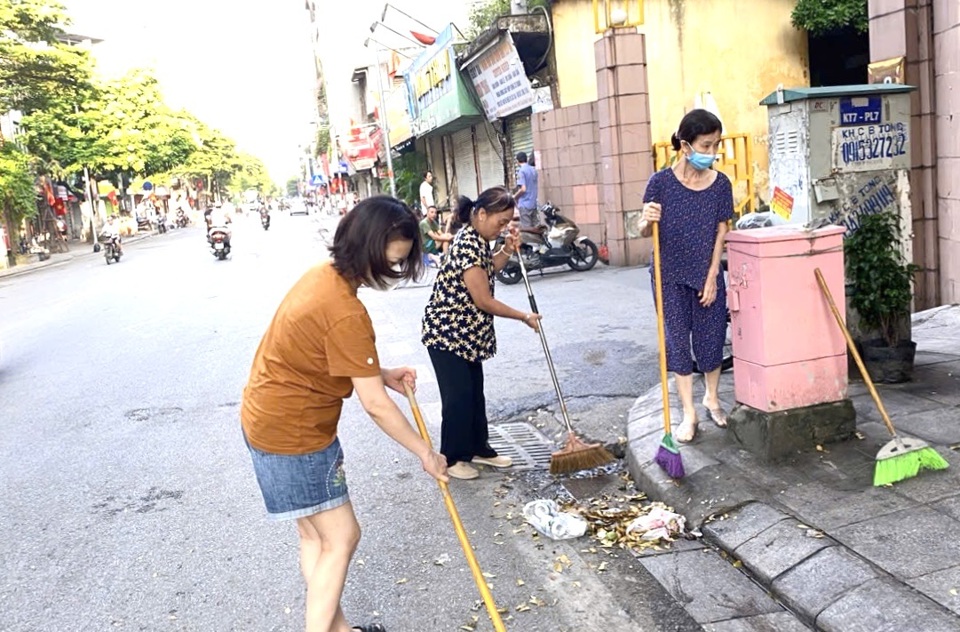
pixel 452 321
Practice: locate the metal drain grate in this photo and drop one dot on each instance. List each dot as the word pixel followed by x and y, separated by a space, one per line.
pixel 523 443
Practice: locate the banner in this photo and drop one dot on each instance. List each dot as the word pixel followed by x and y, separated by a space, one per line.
pixel 500 80
pixel 437 95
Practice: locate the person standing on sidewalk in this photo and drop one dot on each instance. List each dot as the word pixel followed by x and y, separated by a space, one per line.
pixel 527 192
pixel 458 329
pixel 693 204
pixel 426 192
pixel 319 348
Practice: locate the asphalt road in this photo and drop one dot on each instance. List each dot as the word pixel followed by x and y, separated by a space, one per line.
pixel 128 499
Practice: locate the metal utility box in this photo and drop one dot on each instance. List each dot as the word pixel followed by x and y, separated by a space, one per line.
pixel 841 152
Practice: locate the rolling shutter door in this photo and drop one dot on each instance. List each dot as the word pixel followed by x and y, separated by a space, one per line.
pixel 520 132
pixel 464 164
pixel 490 156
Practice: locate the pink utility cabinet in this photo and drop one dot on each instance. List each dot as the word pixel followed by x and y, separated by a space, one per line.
pixel 788 351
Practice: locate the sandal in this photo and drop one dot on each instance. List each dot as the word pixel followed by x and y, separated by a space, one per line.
pixel 373 627
pixel 686 431
pixel 717 415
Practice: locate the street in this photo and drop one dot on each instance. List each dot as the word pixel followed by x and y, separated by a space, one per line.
pixel 129 501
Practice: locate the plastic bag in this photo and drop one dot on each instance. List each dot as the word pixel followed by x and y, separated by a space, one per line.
pixel 658 524
pixel 546 517
pixel 760 220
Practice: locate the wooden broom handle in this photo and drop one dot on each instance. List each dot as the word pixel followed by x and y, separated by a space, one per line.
pixel 457 524
pixel 661 328
pixel 853 351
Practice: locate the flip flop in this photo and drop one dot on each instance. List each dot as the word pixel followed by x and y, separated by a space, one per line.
pixel 686 431
pixel 373 627
pixel 717 416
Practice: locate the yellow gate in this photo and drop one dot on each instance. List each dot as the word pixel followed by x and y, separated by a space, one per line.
pixel 735 158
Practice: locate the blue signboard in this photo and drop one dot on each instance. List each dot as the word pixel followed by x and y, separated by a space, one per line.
pixel 316 180
pixel 860 110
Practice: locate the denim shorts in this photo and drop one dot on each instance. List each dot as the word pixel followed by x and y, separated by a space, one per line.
pixel 300 485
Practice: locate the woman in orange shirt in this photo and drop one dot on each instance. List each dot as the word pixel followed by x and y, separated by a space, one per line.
pixel 319 348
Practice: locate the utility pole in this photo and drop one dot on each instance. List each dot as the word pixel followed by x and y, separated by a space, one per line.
pixel 384 126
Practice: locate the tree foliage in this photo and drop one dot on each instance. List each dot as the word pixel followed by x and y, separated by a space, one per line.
pixel 819 17
pixel 483 15
pixel 17 190
pixel 36 67
pixel 293 186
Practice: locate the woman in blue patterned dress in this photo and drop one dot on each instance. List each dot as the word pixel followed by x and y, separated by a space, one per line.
pixel 458 328
pixel 693 204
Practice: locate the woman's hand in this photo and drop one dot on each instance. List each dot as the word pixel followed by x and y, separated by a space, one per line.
pixel 394 379
pixel 436 466
pixel 511 241
pixel 709 293
pixel 533 321
pixel 651 212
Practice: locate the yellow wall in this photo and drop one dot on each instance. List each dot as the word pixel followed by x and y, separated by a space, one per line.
pixel 738 50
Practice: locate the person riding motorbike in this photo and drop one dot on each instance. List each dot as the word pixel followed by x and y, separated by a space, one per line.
pixel 111 230
pixel 218 219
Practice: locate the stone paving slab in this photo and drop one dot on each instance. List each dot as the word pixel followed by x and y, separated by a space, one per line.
pixel 934 426
pixel 906 544
pixel 949 506
pixel 884 605
pixel 933 486
pixel 710 588
pixel 893 400
pixel 829 508
pixel 942 586
pixel 776 622
pixel 822 579
pixel 737 527
pixel 780 548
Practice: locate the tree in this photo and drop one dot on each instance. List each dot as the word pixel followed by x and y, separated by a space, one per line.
pixel 323 140
pixel 483 15
pixel 293 187
pixel 17 190
pixel 36 67
pixel 819 17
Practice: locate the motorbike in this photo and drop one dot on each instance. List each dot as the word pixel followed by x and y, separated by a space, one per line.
pixel 219 239
pixel 111 248
pixel 556 243
pixel 182 220
pixel 265 218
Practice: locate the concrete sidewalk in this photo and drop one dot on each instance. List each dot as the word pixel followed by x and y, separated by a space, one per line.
pixel 78 249
pixel 812 529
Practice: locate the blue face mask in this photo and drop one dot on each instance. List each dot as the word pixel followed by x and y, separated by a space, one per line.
pixel 701 161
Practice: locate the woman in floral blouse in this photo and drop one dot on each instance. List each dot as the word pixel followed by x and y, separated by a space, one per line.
pixel 458 328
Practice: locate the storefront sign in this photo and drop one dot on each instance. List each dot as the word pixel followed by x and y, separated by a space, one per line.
pixel 500 80
pixel 869 147
pixel 437 95
pixel 398 116
pixel 360 147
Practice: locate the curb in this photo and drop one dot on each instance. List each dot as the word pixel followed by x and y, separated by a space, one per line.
pixel 822 581
pixel 63 259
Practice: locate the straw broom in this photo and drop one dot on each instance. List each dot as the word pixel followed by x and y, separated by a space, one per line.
pixel 900 458
pixel 478 577
pixel 576 454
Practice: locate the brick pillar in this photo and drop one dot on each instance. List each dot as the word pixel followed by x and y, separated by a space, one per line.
pixel 626 148
pixel 946 44
pixel 904 28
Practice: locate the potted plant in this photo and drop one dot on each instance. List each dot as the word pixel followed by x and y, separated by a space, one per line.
pixel 882 284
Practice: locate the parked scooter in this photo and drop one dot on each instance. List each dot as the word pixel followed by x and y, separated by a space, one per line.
pixel 110 245
pixel 264 218
pixel 182 220
pixel 556 243
pixel 219 238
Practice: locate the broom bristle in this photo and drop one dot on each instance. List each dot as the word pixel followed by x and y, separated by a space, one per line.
pixel 577 455
pixel 668 457
pixel 899 468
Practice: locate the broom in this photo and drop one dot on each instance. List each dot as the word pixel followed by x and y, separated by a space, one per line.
pixel 576 454
pixel 668 455
pixel 900 458
pixel 458 525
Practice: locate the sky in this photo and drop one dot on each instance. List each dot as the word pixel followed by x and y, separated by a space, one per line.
pixel 246 67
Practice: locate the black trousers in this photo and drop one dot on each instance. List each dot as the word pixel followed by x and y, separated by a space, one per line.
pixel 463 431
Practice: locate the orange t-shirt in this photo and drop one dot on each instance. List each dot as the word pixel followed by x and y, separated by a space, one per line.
pixel 320 337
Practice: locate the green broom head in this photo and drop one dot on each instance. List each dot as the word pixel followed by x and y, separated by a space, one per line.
pixel 905 458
